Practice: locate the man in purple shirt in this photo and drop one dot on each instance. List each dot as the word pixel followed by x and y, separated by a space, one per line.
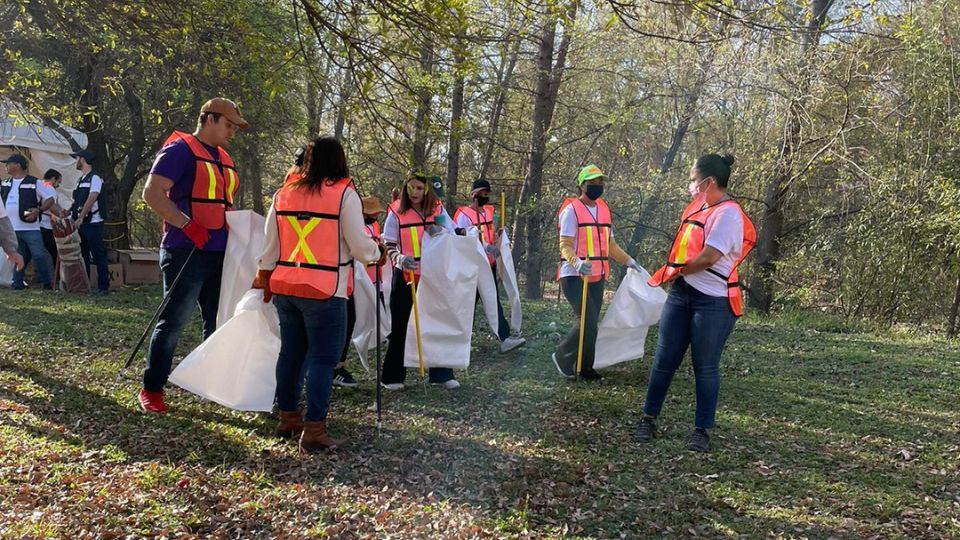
pixel 191 186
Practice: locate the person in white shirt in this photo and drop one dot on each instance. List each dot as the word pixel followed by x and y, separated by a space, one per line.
pixel 87 212
pixel 25 198
pixel 704 299
pixel 8 240
pixel 480 214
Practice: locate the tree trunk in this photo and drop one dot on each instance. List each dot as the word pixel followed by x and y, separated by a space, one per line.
pixel 767 252
pixel 421 121
pixel 548 84
pixel 954 311
pixel 504 77
pixel 456 127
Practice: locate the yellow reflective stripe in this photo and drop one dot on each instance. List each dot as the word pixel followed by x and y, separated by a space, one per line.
pixel 302 233
pixel 415 240
pixel 589 241
pixel 232 187
pixel 682 248
pixel 212 185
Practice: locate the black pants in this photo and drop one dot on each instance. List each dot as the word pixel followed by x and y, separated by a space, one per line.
pixel 401 301
pixel 50 244
pixel 567 350
pixel 503 327
pixel 351 323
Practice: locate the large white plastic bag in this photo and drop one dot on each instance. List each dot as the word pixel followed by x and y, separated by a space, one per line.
pixel 236 366
pixel 244 246
pixel 636 307
pixel 450 276
pixel 6 271
pixel 508 276
pixel 364 335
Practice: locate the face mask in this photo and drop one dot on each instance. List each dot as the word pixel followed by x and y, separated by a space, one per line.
pixel 594 192
pixel 696 188
pixel 369 220
pixel 482 201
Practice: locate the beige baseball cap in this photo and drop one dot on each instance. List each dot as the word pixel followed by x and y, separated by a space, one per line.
pixel 227 108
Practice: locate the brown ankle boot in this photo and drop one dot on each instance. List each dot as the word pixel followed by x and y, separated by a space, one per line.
pixel 316 439
pixel 291 424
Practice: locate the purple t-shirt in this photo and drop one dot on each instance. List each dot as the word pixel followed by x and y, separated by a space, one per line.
pixel 177 163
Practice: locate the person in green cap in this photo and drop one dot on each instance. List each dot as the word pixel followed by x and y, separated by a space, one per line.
pixel 586 246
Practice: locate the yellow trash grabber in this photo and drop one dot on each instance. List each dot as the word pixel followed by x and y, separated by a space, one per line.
pixel 416 322
pixel 583 315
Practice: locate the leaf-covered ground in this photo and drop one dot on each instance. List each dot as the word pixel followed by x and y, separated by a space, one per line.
pixel 823 432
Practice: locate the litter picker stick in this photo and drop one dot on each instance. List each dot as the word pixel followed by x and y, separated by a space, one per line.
pixel 376 305
pixel 583 316
pixel 416 321
pixel 156 315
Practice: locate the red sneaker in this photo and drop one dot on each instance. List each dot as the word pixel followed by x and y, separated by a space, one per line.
pixel 152 401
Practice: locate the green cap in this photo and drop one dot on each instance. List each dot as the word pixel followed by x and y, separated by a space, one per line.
pixel 589 173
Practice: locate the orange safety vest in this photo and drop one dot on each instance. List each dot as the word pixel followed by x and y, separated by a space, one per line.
pixel 373 231
pixel 484 221
pixel 215 182
pixel 593 237
pixel 690 241
pixel 412 225
pixel 308 222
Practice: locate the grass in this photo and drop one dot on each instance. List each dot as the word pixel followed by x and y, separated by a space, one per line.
pixel 826 430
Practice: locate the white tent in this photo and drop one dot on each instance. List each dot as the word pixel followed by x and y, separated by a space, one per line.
pixel 21 132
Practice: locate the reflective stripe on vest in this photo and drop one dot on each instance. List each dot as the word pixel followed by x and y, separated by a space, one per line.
pixel 411 226
pixel 211 195
pixel 483 220
pixel 690 241
pixel 593 237
pixel 308 224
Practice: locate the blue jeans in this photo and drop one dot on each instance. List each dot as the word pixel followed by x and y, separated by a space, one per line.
pixel 91 247
pixel 703 322
pixel 30 246
pixel 199 285
pixel 311 338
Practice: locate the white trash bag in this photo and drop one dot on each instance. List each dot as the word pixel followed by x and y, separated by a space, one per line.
pixel 450 278
pixel 508 275
pixel 635 308
pixel 244 246
pixel 364 336
pixel 236 366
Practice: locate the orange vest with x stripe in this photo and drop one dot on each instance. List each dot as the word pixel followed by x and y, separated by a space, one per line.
pixel 308 222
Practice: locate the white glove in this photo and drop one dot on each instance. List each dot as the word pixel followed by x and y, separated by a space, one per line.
pixel 492 251
pixel 584 267
pixel 409 263
pixel 632 264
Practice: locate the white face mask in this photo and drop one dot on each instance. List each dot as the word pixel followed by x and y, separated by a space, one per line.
pixel 694 187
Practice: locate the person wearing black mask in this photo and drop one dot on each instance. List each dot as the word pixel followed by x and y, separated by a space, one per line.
pixel 586 245
pixel 480 215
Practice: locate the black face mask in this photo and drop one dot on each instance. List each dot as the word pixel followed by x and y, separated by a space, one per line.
pixel 369 220
pixel 482 201
pixel 594 192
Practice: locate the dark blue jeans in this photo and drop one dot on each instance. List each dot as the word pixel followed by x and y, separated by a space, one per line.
pixel 91 247
pixel 30 246
pixel 311 338
pixel 702 322
pixel 198 286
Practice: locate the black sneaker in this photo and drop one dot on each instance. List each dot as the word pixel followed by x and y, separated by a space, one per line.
pixel 647 430
pixel 590 375
pixel 343 379
pixel 566 373
pixel 699 441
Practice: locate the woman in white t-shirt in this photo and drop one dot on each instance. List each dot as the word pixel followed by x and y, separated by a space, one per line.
pixel 702 305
